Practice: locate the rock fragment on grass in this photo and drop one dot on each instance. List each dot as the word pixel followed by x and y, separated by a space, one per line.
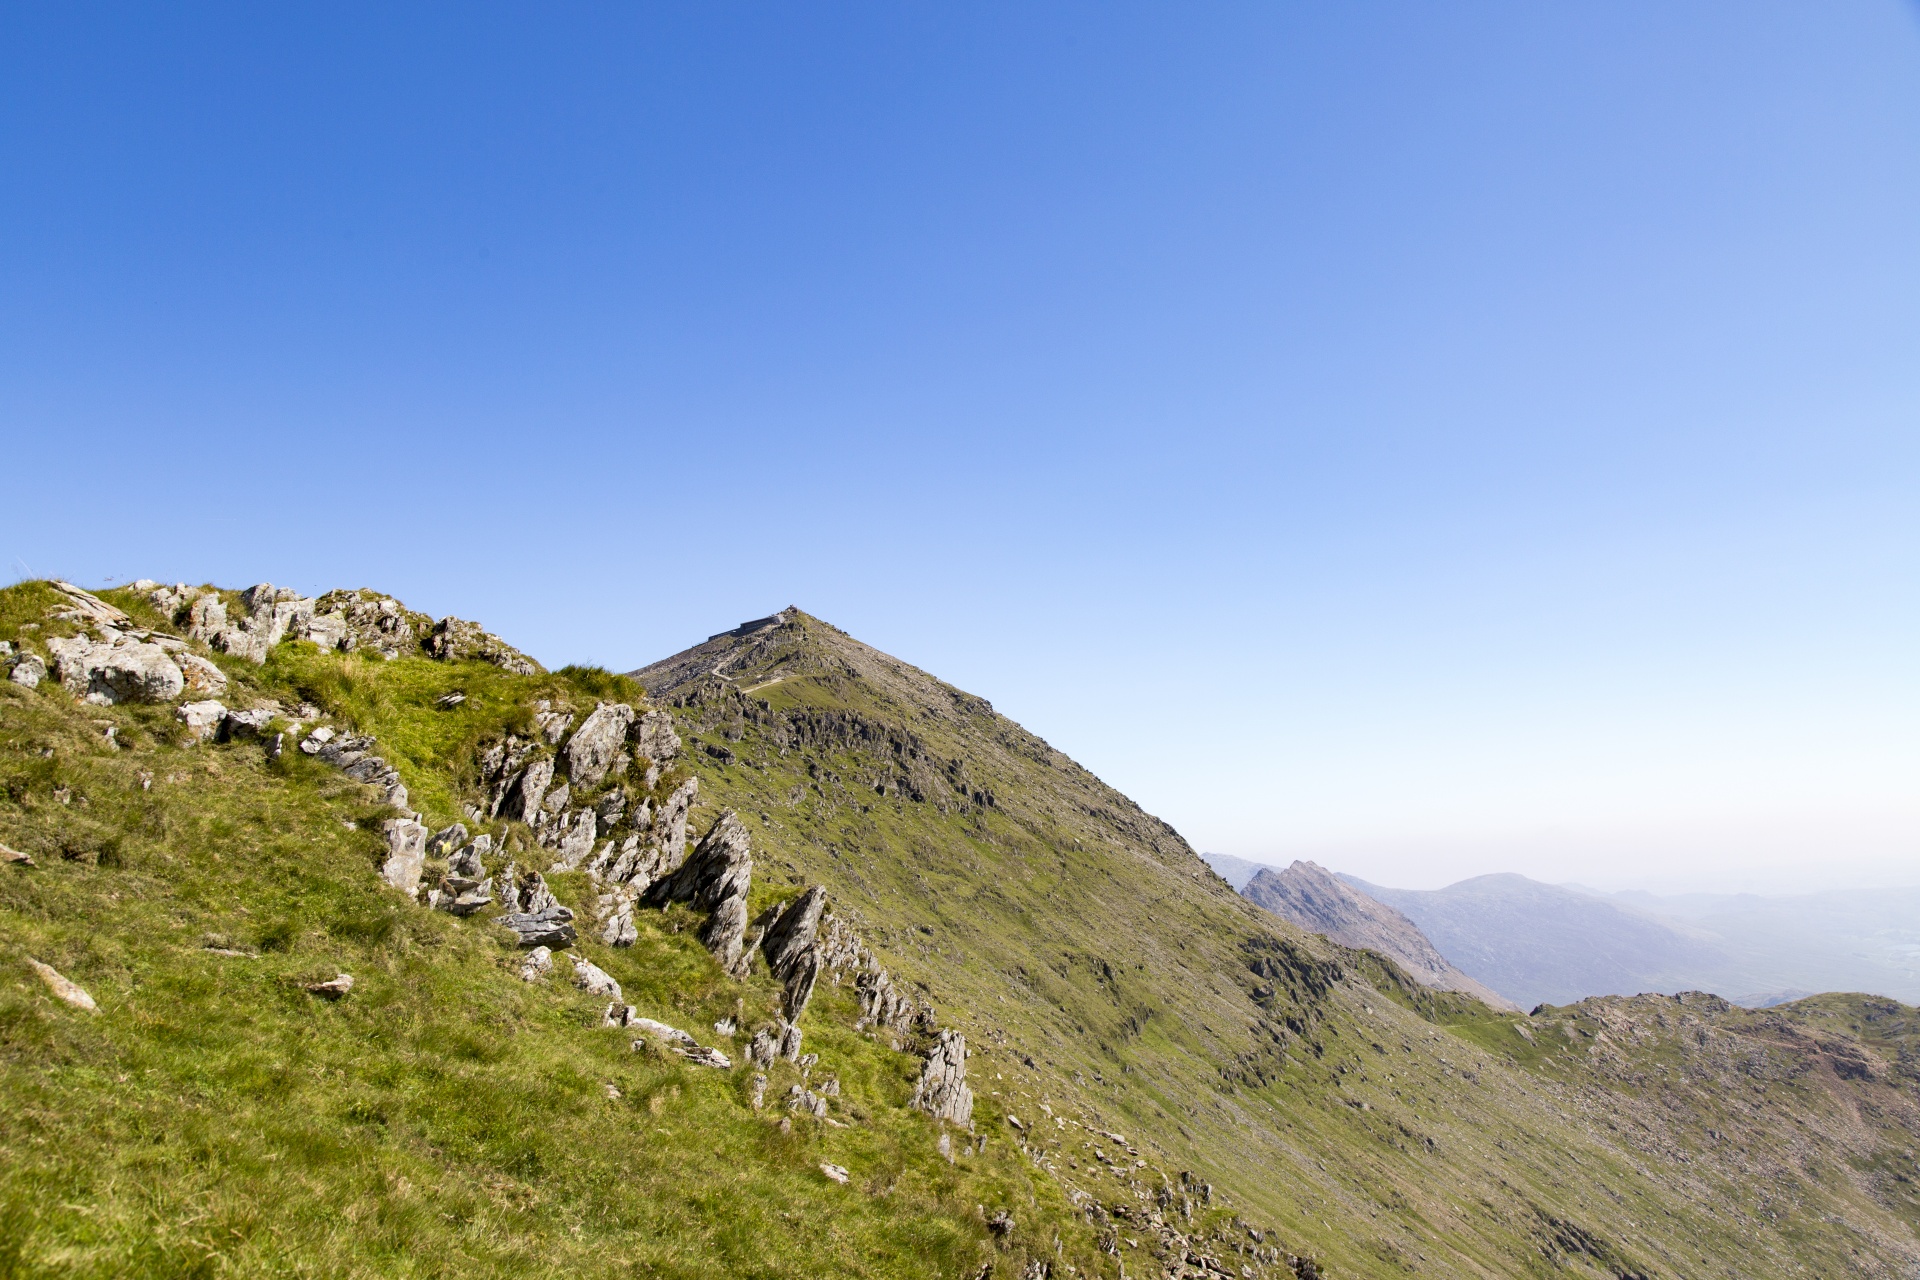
pixel 201 718
pixel 835 1172
pixel 28 670
pixel 333 988
pixel 704 1057
pixel 64 988
pixel 594 980
pixel 17 858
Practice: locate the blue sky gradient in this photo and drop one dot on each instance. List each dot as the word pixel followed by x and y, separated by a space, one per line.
pixel 1430 439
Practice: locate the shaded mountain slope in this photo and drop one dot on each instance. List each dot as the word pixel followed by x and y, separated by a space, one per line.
pixel 1320 902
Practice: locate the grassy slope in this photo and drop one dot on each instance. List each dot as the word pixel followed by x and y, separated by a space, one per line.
pixel 1381 1127
pixel 445 1118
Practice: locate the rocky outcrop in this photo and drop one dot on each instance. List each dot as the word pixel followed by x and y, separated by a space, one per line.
pixel 406 854
pixel 715 878
pixel 365 621
pixel 657 849
pixel 201 719
pixel 465 888
pixel 354 757
pixel 551 926
pixel 942 1091
pixel 456 639
pixel 117 668
pixel 27 670
pixel 598 743
pixel 790 944
pixel 655 738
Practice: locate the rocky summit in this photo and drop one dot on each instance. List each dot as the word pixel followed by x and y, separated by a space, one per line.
pixel 349 941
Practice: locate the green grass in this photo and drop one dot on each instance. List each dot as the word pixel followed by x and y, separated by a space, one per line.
pixel 445 1118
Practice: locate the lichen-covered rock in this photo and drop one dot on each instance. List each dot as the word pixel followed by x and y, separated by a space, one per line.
pixel 201 718
pixel 789 944
pixel 118 669
pixel 456 639
pixel 594 980
pixel 406 854
pixel 28 670
pixel 63 987
pixel 942 1091
pixel 715 877
pixel 201 676
pixel 572 839
pixel 655 738
pixel 522 797
pixel 597 743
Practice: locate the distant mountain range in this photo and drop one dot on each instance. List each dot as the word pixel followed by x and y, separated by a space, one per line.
pixel 1316 899
pixel 1539 943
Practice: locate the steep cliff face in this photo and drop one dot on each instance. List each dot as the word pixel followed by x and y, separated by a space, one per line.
pixel 799 962
pixel 1320 902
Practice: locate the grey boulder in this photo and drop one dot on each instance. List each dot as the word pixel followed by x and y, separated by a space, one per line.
pixel 596 744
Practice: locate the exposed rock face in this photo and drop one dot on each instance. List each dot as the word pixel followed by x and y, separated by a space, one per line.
pixel 594 980
pixel 201 676
pixel 550 927
pixel 366 621
pixel 942 1091
pixel 118 669
pixel 201 718
pixel 655 737
pixel 263 618
pixel 715 877
pixel 523 795
pixel 597 743
pixel 642 859
pixel 1317 900
pixel 406 854
pixel 789 944
pixel 28 670
pixel 466 888
pixel 455 639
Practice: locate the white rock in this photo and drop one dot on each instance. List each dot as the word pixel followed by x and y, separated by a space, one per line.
pixel 200 675
pixel 591 978
pixel 406 854
pixel 201 717
pixel 62 987
pixel 595 744
pixel 835 1172
pixel 538 964
pixel 672 1035
pixel 28 670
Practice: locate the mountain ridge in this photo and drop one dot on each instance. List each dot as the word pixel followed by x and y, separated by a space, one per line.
pixel 1164 1076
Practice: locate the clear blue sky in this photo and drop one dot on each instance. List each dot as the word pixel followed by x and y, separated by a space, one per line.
pixel 1428 438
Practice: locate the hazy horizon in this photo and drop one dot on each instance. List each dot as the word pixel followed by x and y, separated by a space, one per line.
pixel 1429 441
